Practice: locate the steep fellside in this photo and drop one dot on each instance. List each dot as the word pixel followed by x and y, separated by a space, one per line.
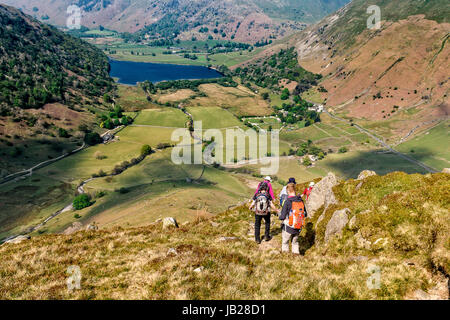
pixel 381 74
pixel 48 81
pixel 396 226
pixel 40 64
pixel 244 20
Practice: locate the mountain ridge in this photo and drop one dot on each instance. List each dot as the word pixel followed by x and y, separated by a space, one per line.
pixel 260 18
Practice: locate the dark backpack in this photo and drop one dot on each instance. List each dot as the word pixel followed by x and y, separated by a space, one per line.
pixel 262 204
pixel 263 186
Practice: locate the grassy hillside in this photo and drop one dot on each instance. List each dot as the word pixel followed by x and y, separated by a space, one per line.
pixel 431 146
pixel 306 11
pixel 354 21
pixel 367 73
pixel 403 217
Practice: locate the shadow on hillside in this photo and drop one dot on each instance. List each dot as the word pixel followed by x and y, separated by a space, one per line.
pixel 306 241
pixel 380 161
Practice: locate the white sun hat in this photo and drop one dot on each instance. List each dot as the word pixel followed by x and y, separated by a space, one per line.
pixel 268 178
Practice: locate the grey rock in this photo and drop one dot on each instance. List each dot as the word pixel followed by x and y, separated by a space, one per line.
pixel 169 222
pixel 360 258
pixel 365 174
pixel 91 227
pixel 172 251
pixel 361 242
pixel 338 221
pixel 198 270
pixel 322 194
pixel 214 224
pixel 359 186
pixel 352 222
pixel 228 238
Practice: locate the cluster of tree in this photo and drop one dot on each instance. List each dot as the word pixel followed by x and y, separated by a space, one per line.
pixel 262 43
pixel 130 37
pixel 167 27
pixel 194 84
pixel 115 118
pixel 81 201
pixel 36 60
pixel 307 148
pixel 190 56
pixel 161 43
pixel 282 65
pixel 148 87
pixel 297 111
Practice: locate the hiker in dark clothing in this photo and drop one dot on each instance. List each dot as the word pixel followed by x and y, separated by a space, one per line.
pixel 262 203
pixel 292 215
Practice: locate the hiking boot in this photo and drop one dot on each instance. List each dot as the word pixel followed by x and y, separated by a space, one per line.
pixel 258 241
pixel 268 238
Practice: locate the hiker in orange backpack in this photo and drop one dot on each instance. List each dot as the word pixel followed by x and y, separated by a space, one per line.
pixel 293 216
pixel 307 191
pixel 261 204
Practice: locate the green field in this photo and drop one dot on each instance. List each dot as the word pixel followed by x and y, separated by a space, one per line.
pixel 30 201
pixel 83 164
pixel 143 53
pixel 240 101
pixel 431 147
pixel 166 117
pixel 156 188
pixel 146 135
pixel 214 117
pixel 302 135
pixel 233 58
pixel 133 98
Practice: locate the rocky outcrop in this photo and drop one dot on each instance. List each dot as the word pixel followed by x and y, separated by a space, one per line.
pixel 365 174
pixel 361 242
pixel 338 221
pixel 446 170
pixel 169 222
pixel 322 194
pixel 172 252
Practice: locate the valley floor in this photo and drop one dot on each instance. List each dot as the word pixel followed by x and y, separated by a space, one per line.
pixel 157 188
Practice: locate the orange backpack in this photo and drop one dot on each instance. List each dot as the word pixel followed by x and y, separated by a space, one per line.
pixel 297 215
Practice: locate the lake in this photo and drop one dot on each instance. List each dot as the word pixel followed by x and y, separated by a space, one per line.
pixel 131 73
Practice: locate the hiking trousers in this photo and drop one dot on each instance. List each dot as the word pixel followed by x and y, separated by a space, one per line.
pixel 286 238
pixel 258 226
